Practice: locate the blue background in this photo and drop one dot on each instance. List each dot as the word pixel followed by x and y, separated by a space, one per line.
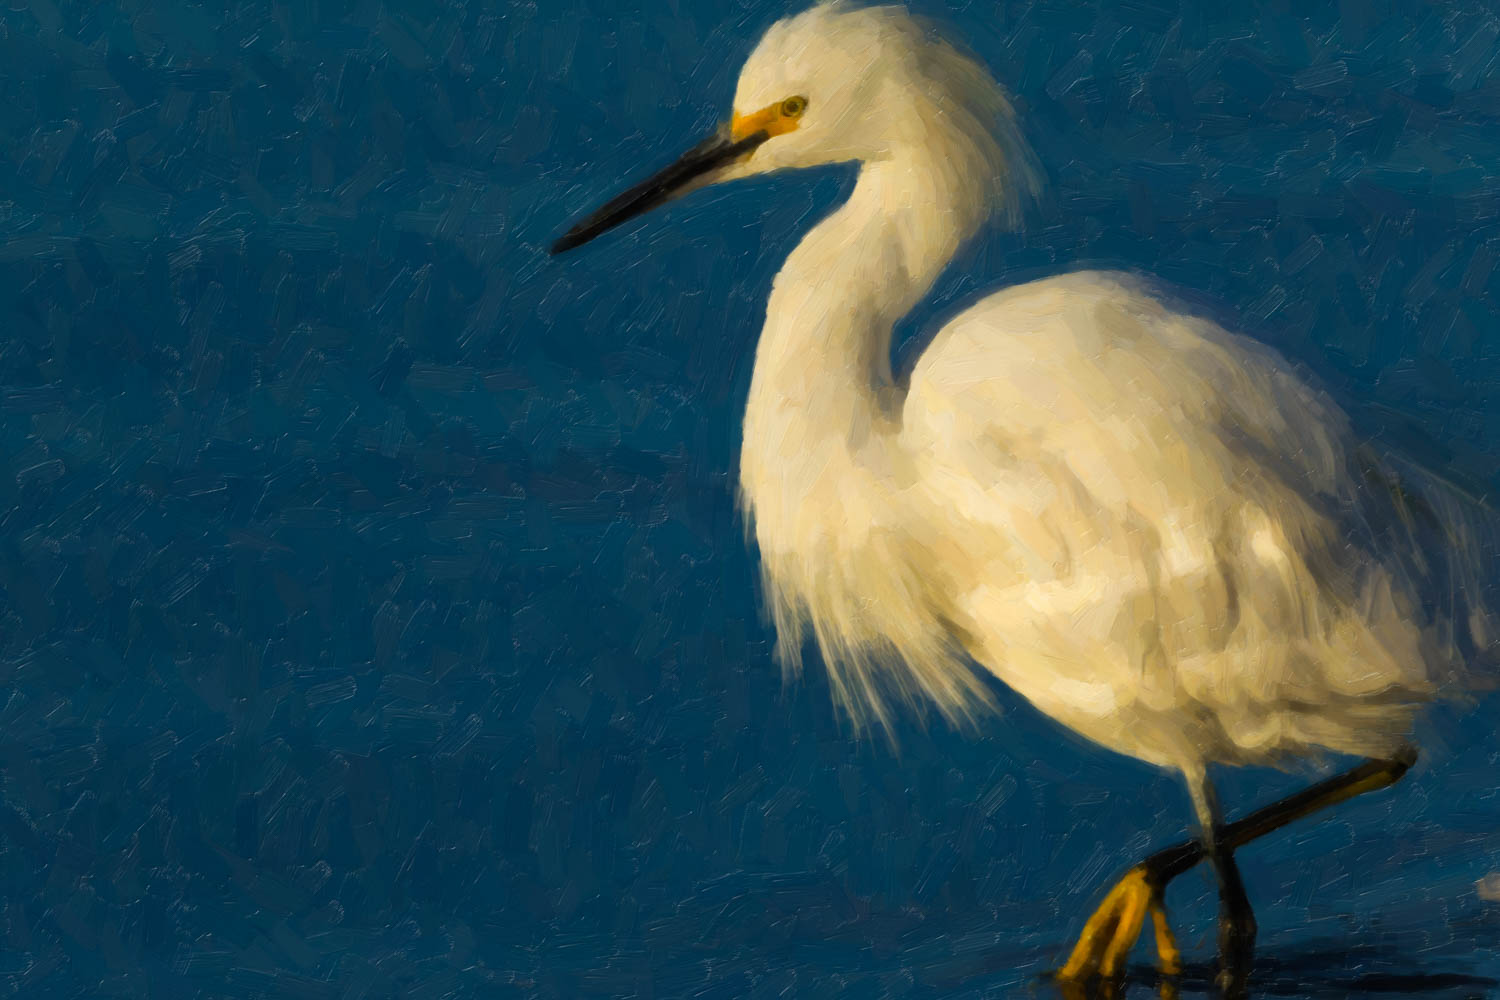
pixel 374 614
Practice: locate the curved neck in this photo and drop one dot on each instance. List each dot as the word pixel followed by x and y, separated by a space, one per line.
pixel 823 410
pixel 824 354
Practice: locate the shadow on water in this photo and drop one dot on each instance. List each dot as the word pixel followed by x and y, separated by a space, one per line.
pixel 1396 964
pixel 1325 972
pixel 1328 968
pixel 1453 959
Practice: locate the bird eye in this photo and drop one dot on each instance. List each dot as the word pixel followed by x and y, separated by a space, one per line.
pixel 792 107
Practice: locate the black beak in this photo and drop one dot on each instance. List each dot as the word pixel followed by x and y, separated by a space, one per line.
pixel 710 154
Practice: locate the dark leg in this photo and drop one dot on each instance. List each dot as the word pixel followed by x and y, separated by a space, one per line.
pixel 1113 929
pixel 1236 925
pixel 1170 862
pixel 1236 921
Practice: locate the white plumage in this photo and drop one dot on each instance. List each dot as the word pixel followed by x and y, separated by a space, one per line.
pixel 1156 531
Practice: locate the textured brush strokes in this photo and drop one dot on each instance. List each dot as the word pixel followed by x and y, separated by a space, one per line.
pixel 374 614
pixel 1154 531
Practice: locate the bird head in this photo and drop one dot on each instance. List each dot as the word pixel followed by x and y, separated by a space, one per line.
pixel 834 84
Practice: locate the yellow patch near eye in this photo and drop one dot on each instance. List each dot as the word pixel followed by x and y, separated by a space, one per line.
pixel 774 119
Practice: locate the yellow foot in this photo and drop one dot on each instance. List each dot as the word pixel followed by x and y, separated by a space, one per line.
pixel 1099 957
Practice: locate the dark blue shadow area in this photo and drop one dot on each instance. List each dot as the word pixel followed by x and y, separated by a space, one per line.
pixel 375 619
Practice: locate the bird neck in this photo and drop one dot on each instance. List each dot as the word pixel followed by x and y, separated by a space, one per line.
pixel 820 464
pixel 822 368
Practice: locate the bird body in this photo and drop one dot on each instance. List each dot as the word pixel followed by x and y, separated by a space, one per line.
pixel 1155 531
pixel 1158 532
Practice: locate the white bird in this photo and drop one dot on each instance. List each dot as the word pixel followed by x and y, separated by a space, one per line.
pixel 1154 530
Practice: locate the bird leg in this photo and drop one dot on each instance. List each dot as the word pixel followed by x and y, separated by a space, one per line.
pixel 1236 923
pixel 1111 932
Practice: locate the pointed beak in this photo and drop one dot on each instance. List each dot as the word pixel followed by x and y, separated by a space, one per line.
pixel 714 153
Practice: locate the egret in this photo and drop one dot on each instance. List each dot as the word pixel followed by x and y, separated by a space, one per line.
pixel 1156 531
